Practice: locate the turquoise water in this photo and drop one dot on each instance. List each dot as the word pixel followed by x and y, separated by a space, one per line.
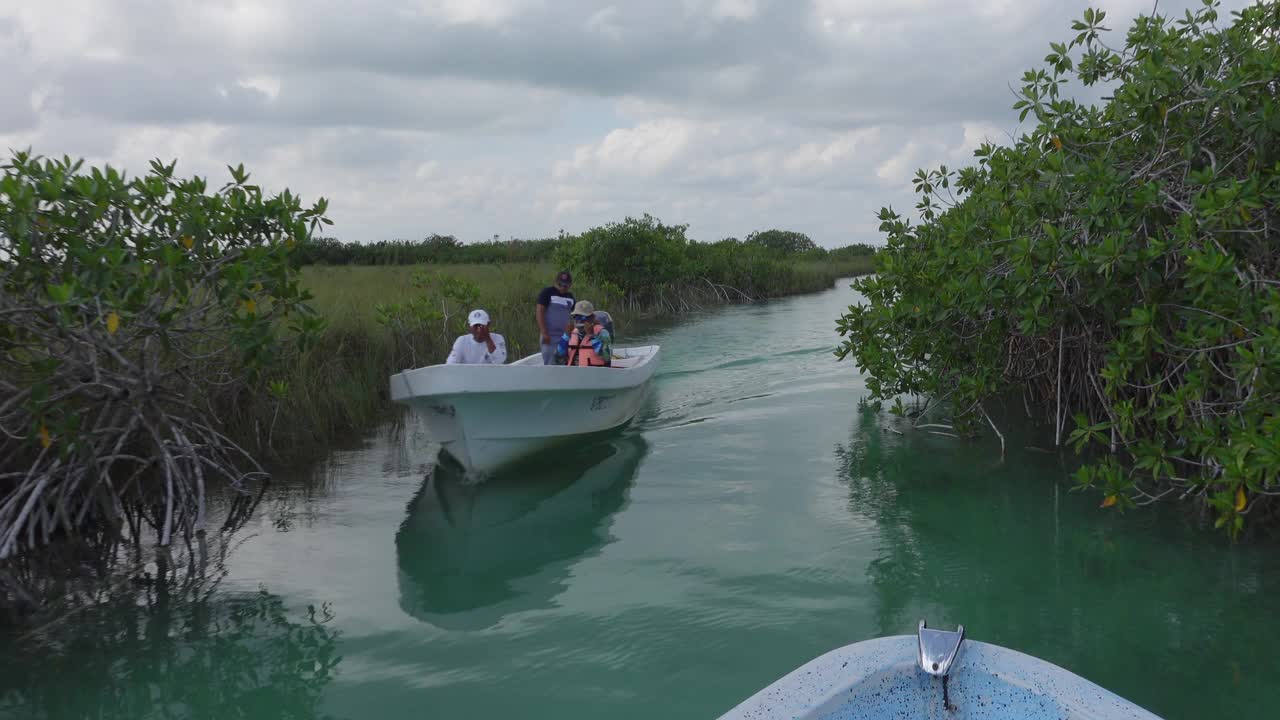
pixel 751 518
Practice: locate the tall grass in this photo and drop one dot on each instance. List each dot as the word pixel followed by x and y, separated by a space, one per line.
pixel 817 275
pixel 339 387
pixel 347 295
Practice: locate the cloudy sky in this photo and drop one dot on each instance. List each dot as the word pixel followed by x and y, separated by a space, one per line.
pixel 520 118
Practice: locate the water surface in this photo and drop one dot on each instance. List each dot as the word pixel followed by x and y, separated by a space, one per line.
pixel 751 518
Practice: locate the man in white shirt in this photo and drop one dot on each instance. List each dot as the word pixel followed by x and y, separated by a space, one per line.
pixel 481 347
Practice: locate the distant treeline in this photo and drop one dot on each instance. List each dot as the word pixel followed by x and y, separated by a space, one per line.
pixel 442 249
pixel 447 249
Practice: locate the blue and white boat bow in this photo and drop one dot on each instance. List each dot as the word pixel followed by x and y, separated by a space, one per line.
pixel 934 674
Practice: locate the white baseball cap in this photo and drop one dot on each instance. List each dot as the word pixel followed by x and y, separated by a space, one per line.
pixel 477 317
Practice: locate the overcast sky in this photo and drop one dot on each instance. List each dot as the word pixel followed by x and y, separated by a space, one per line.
pixel 523 117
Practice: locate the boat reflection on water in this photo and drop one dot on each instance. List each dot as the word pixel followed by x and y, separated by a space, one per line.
pixel 471 554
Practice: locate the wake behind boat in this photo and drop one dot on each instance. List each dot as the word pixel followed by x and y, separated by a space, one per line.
pixel 934 674
pixel 488 416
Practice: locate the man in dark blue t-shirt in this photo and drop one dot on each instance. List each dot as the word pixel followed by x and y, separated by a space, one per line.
pixel 555 303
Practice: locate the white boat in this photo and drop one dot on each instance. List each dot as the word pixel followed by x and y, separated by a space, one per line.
pixel 934 674
pixel 489 416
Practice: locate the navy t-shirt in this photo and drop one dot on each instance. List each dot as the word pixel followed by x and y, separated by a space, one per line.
pixel 559 307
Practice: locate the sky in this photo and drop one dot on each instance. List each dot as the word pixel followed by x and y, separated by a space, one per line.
pixel 522 118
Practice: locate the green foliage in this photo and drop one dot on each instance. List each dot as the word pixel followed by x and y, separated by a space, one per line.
pixel 427 314
pixel 131 312
pixel 640 262
pixel 641 257
pixel 783 242
pixel 854 252
pixel 1119 264
pixel 654 264
pixel 435 249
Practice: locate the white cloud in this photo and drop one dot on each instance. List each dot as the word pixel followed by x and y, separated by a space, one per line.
pixel 841 150
pixel 646 150
pixel 868 11
pixel 854 15
pixel 897 168
pixel 426 170
pixel 735 9
pixel 522 117
pixel 241 18
pixel 481 12
pixel 192 145
pixel 722 9
pixel 605 22
pixel 265 84
pixel 975 134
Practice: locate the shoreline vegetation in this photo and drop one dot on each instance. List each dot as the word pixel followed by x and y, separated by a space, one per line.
pixel 163 344
pixel 1116 270
pixel 340 386
pixel 393 306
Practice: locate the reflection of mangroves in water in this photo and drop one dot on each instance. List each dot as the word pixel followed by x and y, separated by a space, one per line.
pixel 174 652
pixel 471 554
pixel 1007 549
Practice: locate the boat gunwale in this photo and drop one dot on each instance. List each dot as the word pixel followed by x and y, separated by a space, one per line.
pixel 443 380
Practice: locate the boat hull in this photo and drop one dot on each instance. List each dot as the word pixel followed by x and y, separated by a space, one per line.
pixel 487 432
pixel 488 417
pixel 881 679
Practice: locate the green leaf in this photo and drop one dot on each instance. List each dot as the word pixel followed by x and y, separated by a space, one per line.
pixel 60 293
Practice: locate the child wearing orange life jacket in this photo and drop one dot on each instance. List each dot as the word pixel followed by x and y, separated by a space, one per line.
pixel 587 343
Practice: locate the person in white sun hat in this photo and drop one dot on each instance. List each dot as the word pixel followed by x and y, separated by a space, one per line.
pixel 480 347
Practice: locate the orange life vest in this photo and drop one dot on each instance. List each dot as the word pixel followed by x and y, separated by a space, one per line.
pixel 580 351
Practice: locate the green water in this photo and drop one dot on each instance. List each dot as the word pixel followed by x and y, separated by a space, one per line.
pixel 750 519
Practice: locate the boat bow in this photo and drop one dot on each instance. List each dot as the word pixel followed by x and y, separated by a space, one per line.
pixel 893 677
